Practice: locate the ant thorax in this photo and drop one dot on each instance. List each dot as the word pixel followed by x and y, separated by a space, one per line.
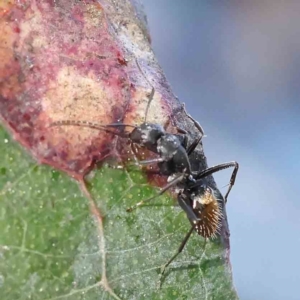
pixel 168 145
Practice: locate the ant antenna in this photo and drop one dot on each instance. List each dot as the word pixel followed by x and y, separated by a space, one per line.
pixel 90 125
pixel 150 97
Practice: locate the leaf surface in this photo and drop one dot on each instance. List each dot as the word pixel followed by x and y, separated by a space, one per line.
pixel 53 245
pixel 65 238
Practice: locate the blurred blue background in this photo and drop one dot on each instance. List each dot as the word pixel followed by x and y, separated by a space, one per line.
pixel 236 65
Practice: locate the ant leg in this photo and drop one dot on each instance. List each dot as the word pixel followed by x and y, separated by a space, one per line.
pixel 163 190
pixel 134 150
pixel 197 125
pixel 195 143
pixel 193 146
pixel 150 161
pixel 142 162
pixel 181 130
pixel 147 162
pixel 184 143
pixel 181 247
pixel 232 180
pixel 188 210
pixel 218 168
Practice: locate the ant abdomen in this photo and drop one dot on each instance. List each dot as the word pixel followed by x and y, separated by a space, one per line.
pixel 208 210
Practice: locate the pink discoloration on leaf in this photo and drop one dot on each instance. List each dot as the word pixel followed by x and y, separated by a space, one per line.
pixel 74 61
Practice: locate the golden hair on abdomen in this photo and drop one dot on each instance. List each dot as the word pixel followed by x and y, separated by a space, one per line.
pixel 210 214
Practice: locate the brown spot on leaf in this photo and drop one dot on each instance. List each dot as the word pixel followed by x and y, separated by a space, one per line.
pixel 64 61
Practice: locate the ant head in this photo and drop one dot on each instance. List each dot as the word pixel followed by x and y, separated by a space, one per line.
pixel 147 134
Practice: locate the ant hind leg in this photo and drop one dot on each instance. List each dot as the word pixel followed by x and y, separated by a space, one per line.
pixel 162 191
pixel 181 247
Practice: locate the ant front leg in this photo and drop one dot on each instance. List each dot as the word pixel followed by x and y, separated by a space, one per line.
pixel 196 124
pixel 193 146
pixel 143 162
pixel 195 143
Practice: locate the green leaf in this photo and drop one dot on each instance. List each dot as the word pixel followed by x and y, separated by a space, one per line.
pixel 55 245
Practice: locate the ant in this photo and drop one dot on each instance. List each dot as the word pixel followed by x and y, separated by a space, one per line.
pixel 173 149
pixel 196 199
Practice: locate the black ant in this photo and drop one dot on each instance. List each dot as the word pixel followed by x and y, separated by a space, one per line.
pixel 197 200
pixel 174 152
pixel 173 149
